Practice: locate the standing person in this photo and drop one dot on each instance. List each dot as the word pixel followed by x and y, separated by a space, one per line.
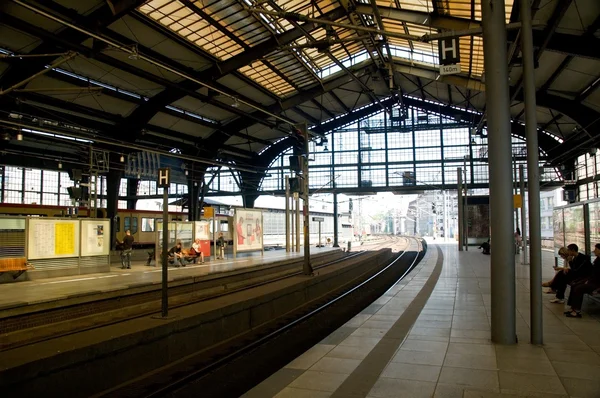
pixel 127 245
pixel 221 246
pixel 518 240
pixel 240 231
pixel 581 286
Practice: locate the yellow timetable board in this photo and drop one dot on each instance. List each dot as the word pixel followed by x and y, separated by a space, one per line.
pixel 64 239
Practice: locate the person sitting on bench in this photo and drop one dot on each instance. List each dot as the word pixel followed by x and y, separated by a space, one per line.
pixel 176 255
pixel 486 247
pixel 584 285
pixel 195 252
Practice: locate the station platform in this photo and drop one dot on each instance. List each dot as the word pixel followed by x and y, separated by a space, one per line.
pixel 25 293
pixel 429 336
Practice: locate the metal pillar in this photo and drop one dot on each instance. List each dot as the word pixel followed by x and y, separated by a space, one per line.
pixel 307 267
pixel 501 202
pixel 515 185
pixel 465 209
pixel 287 213
pixel 293 223
pixel 523 214
pixel 445 215
pixel 533 174
pixel 165 256
pixel 460 209
pixel 297 215
pixel 335 221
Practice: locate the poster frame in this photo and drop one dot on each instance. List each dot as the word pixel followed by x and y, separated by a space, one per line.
pixel 107 243
pixel 31 224
pixel 236 246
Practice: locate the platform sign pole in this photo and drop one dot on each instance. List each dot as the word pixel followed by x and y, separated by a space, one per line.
pixel 164 177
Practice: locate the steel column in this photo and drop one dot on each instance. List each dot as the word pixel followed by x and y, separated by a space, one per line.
pixel 533 177
pixel 501 202
pixel 460 209
pixel 287 213
pixel 335 220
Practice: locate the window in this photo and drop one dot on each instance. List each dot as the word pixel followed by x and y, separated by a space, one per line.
pixel 224 226
pixel 147 224
pixel 131 223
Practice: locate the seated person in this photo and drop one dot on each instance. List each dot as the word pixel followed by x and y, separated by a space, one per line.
pixel 176 255
pixel 486 247
pixel 584 285
pixel 195 252
pixel 578 266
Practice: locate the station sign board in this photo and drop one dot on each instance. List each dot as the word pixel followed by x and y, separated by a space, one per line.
pixel 449 55
pixel 318 219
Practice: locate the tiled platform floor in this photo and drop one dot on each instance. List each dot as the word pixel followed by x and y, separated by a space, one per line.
pixel 57 288
pixel 447 352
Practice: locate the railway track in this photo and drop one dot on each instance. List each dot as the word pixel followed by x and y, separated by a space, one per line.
pixel 232 368
pixel 28 328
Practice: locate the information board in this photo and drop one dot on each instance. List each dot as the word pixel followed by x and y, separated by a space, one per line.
pixel 95 237
pixel 52 238
pixel 248 230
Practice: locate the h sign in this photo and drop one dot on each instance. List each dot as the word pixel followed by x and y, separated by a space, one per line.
pixel 449 51
pixel 164 178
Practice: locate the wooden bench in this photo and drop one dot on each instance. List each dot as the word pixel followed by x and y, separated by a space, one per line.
pixel 15 265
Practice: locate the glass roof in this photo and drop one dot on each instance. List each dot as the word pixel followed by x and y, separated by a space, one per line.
pixel 224 29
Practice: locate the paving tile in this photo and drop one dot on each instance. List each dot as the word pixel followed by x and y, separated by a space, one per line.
pixel 338 336
pixel 428 338
pixel 448 391
pixel 393 388
pixel 369 332
pixel 466 333
pixel 590 357
pixel 344 351
pixel 433 324
pixel 397 370
pixel 487 394
pixel 430 332
pixel 471 349
pixel 378 324
pixel 485 362
pixel 470 340
pixel 526 365
pixel 357 321
pixel 419 357
pixel 336 365
pixel 577 370
pixel 290 392
pixel 310 357
pixel 320 381
pixel 422 345
pixel 520 351
pixel 274 383
pixel 582 388
pixel 530 382
pixel 486 379
pixel 361 341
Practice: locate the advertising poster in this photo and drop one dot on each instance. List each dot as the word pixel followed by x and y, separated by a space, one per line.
pixel 574 226
pixel 202 230
pixel 95 237
pixel 248 233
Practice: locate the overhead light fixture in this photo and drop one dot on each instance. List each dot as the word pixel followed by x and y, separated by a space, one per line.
pixel 195 184
pixel 134 52
pixel 59 164
pixel 235 104
pixel 122 159
pixel 20 135
pixel 187 173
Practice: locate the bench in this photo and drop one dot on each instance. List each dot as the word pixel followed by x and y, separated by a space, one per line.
pixel 15 265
